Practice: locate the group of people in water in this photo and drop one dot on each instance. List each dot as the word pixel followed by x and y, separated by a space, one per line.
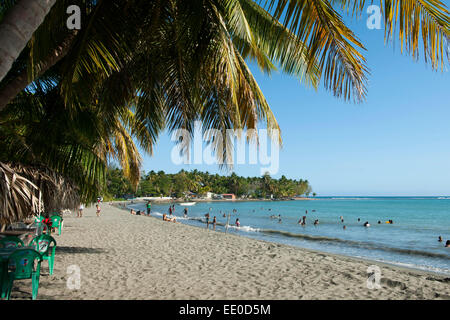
pixel 214 221
pixel 301 221
pixel 447 243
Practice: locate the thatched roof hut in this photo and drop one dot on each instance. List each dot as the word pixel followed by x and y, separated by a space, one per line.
pixel 28 190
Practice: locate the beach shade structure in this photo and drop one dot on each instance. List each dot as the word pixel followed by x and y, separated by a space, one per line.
pixel 57 223
pixel 25 190
pixel 46 246
pixel 24 264
pixel 11 242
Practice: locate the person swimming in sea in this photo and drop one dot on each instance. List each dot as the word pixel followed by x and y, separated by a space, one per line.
pixel 344 227
pixel 440 239
pixel 316 222
pixel 447 244
pixel 366 224
pixel 304 221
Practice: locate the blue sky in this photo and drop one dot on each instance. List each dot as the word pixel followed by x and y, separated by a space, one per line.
pixel 395 143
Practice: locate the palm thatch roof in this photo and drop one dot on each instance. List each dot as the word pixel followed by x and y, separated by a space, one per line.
pixel 26 190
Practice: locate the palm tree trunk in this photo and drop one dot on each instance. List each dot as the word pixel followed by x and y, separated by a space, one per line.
pixel 17 28
pixel 15 86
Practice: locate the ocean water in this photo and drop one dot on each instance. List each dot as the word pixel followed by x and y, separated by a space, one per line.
pixel 411 241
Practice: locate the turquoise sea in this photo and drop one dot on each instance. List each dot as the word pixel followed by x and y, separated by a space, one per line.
pixel 411 241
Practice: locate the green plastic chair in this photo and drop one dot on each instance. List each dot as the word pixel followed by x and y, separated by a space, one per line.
pixel 21 265
pixel 57 223
pixel 11 242
pixel 43 245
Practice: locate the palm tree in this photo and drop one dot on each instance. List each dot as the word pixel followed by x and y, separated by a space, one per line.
pixel 311 42
pixel 17 27
pixel 37 130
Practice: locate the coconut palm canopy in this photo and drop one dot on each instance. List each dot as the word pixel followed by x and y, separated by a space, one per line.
pixel 137 67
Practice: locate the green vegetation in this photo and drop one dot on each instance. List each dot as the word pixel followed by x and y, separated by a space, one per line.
pixel 183 183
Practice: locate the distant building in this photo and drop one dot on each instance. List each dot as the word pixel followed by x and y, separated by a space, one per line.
pixel 209 195
pixel 228 196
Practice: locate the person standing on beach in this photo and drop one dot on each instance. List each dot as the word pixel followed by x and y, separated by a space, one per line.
pixel 149 207
pixel 80 210
pixel 207 220
pixel 214 223
pixel 98 209
pixel 185 212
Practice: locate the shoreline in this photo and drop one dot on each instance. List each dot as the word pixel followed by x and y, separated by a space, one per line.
pixel 358 259
pixel 122 256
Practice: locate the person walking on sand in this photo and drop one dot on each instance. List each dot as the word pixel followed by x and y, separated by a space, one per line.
pixel 98 209
pixel 214 223
pixel 80 210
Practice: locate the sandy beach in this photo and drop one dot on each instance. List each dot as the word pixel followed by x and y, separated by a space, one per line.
pixel 123 256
